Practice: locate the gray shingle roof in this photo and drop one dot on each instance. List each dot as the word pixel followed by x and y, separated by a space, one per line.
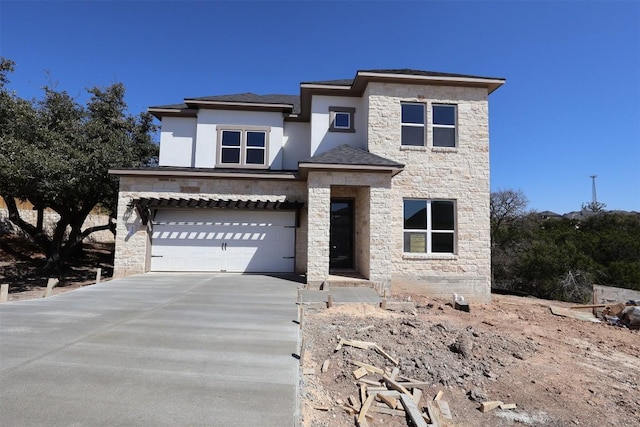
pixel 248 98
pixel 399 71
pixel 252 98
pixel 348 155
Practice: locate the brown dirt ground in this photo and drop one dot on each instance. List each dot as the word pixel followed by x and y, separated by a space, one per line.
pixel 21 267
pixel 559 371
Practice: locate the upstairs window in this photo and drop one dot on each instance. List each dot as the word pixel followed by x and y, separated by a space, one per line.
pixel 444 125
pixel 341 119
pixel 243 147
pixel 412 124
pixel 429 226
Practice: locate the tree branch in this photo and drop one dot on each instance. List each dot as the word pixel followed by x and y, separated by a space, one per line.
pixel 110 226
pixel 38 235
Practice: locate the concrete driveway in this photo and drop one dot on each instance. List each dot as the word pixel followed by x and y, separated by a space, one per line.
pixel 153 350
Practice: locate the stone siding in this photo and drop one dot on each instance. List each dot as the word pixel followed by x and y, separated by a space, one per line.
pixel 460 174
pixel 132 238
pixel 377 210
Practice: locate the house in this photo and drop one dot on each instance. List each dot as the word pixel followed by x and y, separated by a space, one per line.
pixel 384 176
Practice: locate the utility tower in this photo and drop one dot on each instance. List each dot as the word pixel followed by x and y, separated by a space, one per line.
pixel 594 198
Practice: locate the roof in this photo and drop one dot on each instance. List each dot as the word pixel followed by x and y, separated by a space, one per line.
pixel 398 71
pixel 352 156
pixel 289 103
pixel 298 108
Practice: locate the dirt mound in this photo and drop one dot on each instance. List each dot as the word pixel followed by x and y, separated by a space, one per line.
pixel 513 350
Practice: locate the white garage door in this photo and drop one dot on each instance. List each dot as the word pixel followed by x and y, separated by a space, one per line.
pixel 223 240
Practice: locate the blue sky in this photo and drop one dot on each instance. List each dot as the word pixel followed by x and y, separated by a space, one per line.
pixel 570 107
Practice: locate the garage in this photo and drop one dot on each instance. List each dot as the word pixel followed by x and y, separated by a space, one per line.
pixel 231 240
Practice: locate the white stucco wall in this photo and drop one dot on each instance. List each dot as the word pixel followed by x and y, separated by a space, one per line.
pixel 207 135
pixel 295 144
pixel 177 141
pixel 321 139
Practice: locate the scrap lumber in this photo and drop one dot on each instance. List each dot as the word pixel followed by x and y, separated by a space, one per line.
pixel 365 345
pixel 508 406
pixel 394 385
pixel 369 368
pixel 359 373
pixel 417 395
pixel 412 411
pixel 390 401
pixel 490 405
pixel 363 393
pixel 321 408
pixel 433 415
pixel 565 312
pixel 438 396
pixel 385 354
pixel 388 411
pixel 325 366
pixel 348 409
pixel 394 373
pixel 308 371
pixel 366 328
pixel 365 407
pixel 445 411
pixel 353 401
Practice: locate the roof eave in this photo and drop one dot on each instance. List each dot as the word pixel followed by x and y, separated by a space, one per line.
pixel 202 174
pixel 304 166
pixel 239 105
pixel 364 77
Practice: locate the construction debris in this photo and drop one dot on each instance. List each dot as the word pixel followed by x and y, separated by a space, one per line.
pixel 490 406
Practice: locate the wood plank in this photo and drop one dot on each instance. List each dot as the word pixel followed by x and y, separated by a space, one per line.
pixel 353 401
pixel 412 411
pixel 365 407
pixel 417 395
pixel 394 373
pixel 394 385
pixel 508 406
pixel 368 367
pixel 490 405
pixel 359 373
pixel 325 366
pixel 414 384
pixel 363 393
pixel 388 411
pixel 388 393
pixel 390 401
pixel 385 354
pixel 445 411
pixel 438 396
pixel 365 345
pixel 433 414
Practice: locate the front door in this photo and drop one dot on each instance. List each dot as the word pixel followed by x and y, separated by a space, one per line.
pixel 341 234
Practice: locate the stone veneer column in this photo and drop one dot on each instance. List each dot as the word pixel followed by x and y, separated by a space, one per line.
pixel 381 237
pixel 319 205
pixel 131 240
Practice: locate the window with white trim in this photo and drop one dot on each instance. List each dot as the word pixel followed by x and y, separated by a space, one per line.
pixel 246 147
pixel 429 226
pixel 412 124
pixel 341 119
pixel 444 125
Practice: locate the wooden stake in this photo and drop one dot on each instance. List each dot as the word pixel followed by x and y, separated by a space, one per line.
pixel 51 283
pixel 4 292
pixel 329 301
pixel 98 275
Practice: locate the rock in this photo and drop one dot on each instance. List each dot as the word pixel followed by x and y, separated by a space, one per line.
pixel 463 345
pixel 477 395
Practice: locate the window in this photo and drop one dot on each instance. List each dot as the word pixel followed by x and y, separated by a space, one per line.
pixel 413 124
pixel 243 147
pixel 444 125
pixel 429 226
pixel 341 119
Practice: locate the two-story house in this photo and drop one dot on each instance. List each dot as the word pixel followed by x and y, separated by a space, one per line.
pixel 385 176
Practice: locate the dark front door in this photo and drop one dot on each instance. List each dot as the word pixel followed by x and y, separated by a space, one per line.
pixel 341 234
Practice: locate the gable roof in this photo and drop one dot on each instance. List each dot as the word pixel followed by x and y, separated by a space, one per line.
pixel 347 155
pixel 397 71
